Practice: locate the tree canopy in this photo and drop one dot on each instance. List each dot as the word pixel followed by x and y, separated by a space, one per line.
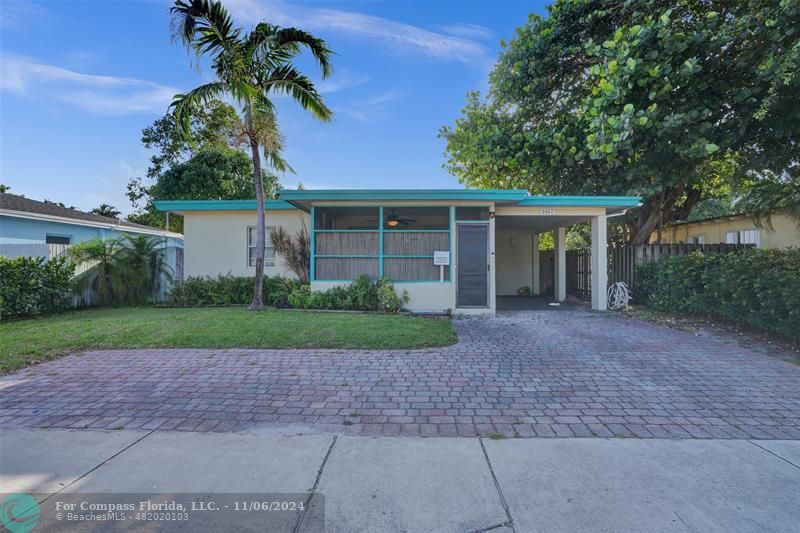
pixel 670 100
pixel 212 165
pixel 212 174
pixel 106 210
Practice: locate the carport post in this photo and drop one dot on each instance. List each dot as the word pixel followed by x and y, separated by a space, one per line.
pixel 535 286
pixel 560 282
pixel 599 263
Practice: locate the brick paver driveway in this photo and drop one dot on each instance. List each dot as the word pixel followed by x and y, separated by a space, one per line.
pixel 540 373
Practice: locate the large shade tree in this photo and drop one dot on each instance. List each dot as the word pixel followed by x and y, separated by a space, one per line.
pixel 667 99
pixel 250 67
pixel 212 166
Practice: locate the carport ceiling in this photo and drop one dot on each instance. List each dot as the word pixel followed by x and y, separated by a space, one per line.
pixel 536 223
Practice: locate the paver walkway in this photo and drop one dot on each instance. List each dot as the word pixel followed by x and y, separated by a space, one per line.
pixel 539 373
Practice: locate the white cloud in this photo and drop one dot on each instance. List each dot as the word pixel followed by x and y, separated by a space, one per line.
pixel 397 35
pixel 101 94
pixel 469 31
pixel 371 109
pixel 18 14
pixel 383 98
pixel 340 81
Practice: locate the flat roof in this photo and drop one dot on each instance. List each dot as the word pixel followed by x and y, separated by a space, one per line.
pixel 301 199
pixel 218 205
pixel 305 195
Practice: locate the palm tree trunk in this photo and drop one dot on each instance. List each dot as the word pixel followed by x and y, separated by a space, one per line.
pixel 258 302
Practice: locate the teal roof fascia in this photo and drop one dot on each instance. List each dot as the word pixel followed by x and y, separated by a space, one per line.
pixel 219 205
pixel 322 195
pixel 588 201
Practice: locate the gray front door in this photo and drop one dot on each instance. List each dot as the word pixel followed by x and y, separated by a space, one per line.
pixel 472 281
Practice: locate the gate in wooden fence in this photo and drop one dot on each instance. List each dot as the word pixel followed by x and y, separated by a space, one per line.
pixel 623 261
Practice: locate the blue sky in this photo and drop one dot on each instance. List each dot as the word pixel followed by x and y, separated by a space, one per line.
pixel 79 80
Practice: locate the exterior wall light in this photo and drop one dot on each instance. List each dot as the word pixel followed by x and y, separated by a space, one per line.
pixel 491 214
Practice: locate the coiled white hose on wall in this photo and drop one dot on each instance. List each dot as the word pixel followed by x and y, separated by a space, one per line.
pixel 618 296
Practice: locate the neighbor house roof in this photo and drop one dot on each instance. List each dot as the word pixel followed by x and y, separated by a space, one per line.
pixel 707 220
pixel 21 207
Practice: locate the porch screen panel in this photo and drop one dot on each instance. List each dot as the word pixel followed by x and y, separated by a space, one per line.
pixel 347 243
pixel 415 243
pixel 412 269
pixel 345 268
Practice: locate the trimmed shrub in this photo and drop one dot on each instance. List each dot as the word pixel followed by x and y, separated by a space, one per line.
pixel 228 290
pixel 361 295
pixel 388 300
pixel 757 287
pixel 34 285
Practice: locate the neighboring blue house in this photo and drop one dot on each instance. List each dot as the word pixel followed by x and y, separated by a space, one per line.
pixel 38 229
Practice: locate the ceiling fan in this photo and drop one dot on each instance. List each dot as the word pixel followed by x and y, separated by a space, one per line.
pixel 393 220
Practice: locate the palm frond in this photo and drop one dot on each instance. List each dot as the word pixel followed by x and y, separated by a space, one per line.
pixel 203 25
pixel 292 37
pixel 184 106
pixel 769 196
pixel 288 80
pixel 275 46
pixel 267 133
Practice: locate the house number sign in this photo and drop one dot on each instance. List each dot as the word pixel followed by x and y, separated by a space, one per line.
pixel 441 258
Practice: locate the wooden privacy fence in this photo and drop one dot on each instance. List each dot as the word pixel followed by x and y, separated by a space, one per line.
pixel 623 261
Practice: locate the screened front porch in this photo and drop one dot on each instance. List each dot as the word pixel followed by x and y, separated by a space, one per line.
pixel 395 242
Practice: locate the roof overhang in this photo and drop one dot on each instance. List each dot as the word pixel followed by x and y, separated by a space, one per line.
pixel 182 206
pixel 612 204
pixel 303 199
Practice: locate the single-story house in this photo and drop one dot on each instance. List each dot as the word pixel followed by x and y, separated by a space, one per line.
pixel 29 228
pixel 452 249
pixel 732 229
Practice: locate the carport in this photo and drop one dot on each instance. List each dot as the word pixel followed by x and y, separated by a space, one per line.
pixel 518 230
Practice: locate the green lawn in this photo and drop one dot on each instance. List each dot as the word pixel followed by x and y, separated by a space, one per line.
pixel 33 340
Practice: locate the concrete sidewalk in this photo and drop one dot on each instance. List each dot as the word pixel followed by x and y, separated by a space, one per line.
pixel 436 484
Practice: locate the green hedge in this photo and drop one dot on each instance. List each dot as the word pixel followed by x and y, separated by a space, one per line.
pixel 34 285
pixel 361 295
pixel 230 290
pixel 756 287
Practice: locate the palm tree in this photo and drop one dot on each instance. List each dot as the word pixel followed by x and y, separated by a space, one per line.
pixel 101 278
pixel 142 264
pixel 295 251
pixel 250 67
pixel 770 195
pixel 126 270
pixel 105 210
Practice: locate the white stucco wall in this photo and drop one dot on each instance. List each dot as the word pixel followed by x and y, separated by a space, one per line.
pixel 424 297
pixel 514 263
pixel 215 242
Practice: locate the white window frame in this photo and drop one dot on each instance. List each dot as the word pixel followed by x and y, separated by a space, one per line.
pixel 756 236
pixel 738 237
pixel 269 250
pixel 698 239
